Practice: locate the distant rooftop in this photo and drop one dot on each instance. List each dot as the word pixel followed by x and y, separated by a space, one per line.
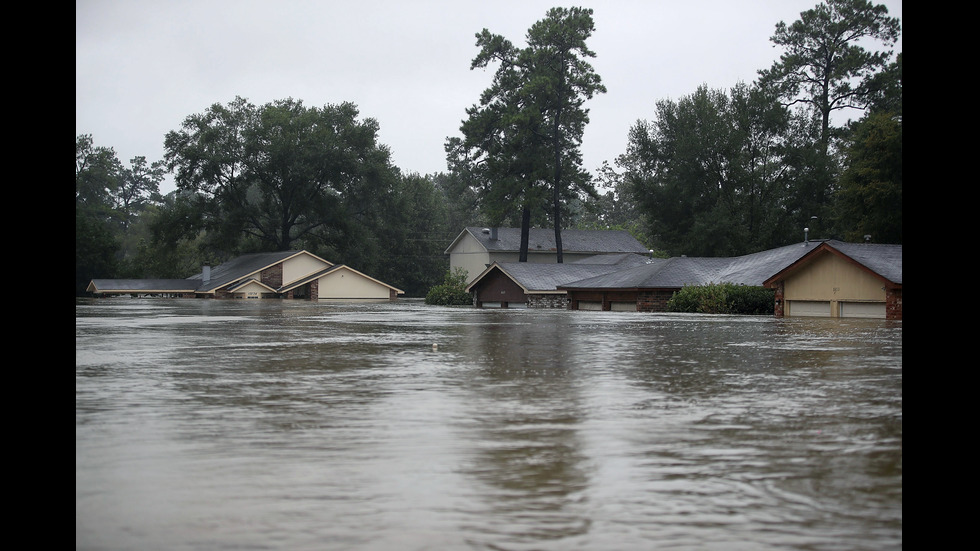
pixel 543 240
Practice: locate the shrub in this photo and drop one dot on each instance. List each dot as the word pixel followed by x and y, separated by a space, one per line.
pixel 723 298
pixel 452 291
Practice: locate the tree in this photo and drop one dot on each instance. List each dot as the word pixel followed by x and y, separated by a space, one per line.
pixel 97 175
pixel 824 65
pixel 97 172
pixel 869 201
pixel 522 140
pixel 279 173
pixel 560 80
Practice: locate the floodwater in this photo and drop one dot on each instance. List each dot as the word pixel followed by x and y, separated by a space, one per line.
pixel 223 424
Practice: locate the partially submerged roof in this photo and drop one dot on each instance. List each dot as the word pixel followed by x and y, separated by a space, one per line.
pixel 235 273
pixel 142 286
pixel 329 270
pixel 537 277
pixel 543 240
pixel 755 269
pixel 242 267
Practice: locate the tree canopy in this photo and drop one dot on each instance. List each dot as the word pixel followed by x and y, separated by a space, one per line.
pixel 710 172
pixel 825 64
pixel 278 172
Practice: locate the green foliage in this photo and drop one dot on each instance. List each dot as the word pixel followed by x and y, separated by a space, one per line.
pixel 825 64
pixel 452 291
pixel 710 174
pixel 280 172
pixel 109 199
pixel 723 298
pixel 870 196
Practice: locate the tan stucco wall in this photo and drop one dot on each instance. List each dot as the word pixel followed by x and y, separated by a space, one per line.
pixel 300 266
pixel 252 290
pixel 346 284
pixel 831 278
pixel 469 255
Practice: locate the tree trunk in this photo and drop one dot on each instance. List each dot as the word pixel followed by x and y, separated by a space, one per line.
pixel 525 232
pixel 556 188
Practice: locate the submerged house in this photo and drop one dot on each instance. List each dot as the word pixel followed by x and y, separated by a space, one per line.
pixel 816 278
pixel 284 274
pixel 841 280
pixel 475 249
pixel 535 285
pixel 648 288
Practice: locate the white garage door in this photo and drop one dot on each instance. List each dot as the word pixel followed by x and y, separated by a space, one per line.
pixel 811 308
pixel 862 310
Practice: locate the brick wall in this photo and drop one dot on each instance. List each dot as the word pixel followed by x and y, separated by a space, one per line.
pixel 893 304
pixel 548 301
pixel 653 300
pixel 780 306
pixel 272 276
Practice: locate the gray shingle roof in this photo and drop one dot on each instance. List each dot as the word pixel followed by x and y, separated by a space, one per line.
pixel 224 274
pixel 884 260
pixel 546 277
pixel 239 267
pixel 543 240
pixel 751 269
pixel 144 285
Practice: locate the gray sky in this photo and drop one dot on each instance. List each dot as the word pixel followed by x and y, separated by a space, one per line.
pixel 142 67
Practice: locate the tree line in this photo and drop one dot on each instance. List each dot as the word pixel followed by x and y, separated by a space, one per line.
pixel 715 173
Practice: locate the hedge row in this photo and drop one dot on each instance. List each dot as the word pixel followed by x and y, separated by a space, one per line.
pixel 723 298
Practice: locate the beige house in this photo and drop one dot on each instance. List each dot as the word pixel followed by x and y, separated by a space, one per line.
pixel 340 283
pixel 842 280
pixel 475 249
pixel 285 274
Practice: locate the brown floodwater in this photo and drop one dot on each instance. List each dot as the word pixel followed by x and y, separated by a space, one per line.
pixel 222 424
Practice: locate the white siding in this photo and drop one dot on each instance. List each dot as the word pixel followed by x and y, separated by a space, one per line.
pixel 862 310
pixel 347 284
pixel 810 308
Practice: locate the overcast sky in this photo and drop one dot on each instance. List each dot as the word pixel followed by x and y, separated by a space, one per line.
pixel 142 67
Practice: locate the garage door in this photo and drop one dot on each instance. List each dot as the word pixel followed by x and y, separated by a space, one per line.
pixel 811 308
pixel 862 310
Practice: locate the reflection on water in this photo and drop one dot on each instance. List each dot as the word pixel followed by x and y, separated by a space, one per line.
pixel 205 424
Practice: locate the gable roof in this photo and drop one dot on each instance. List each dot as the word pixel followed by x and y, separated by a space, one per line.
pixel 536 277
pixel 241 284
pixel 242 267
pixel 330 269
pixel 881 260
pixel 543 240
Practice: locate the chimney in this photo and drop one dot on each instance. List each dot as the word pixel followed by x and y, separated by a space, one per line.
pixel 206 274
pixel 493 233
